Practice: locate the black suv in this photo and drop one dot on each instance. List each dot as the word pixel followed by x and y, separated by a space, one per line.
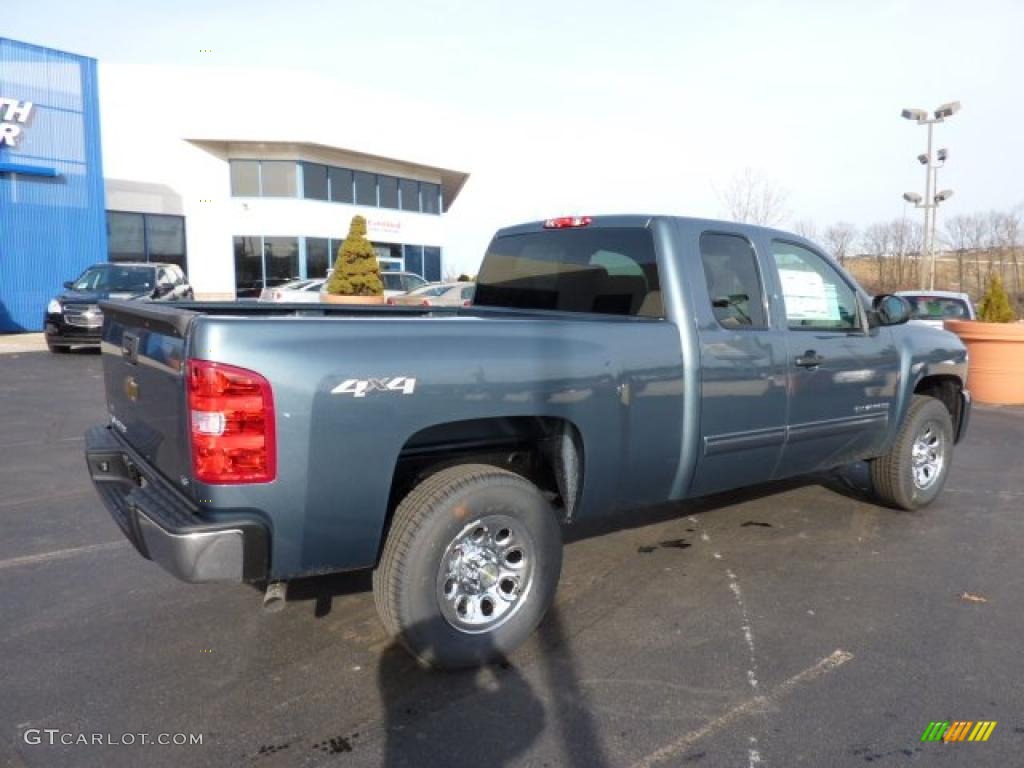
pixel 74 317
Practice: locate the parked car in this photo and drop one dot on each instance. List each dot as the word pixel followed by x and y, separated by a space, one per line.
pixel 73 318
pixel 395 283
pixel 302 291
pixel 440 295
pixel 933 307
pixel 607 364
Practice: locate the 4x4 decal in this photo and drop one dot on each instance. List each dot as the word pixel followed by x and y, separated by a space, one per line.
pixel 404 385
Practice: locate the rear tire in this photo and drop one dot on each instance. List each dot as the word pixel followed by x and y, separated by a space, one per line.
pixel 470 566
pixel 914 471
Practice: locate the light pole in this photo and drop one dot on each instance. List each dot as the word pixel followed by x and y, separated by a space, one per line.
pixel 931 200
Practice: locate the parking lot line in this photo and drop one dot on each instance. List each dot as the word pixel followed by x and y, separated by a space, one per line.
pixel 59 554
pixel 755 704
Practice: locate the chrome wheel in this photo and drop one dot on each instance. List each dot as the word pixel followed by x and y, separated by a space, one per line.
pixel 485 573
pixel 928 455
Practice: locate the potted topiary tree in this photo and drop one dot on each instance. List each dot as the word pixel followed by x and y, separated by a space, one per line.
pixel 995 345
pixel 355 278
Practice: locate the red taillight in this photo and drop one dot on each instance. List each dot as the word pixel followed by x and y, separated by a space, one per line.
pixel 425 303
pixel 391 301
pixel 563 222
pixel 231 423
pixel 467 302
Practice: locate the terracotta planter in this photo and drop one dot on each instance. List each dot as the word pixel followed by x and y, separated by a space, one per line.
pixel 996 365
pixel 331 298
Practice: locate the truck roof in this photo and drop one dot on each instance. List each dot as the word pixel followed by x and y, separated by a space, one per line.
pixel 645 220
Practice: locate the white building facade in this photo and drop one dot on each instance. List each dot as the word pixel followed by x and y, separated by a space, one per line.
pixel 246 190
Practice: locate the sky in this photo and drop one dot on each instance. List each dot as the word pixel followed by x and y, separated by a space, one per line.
pixel 598 107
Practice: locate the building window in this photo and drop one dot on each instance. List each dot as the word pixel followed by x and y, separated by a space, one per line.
pixel 341 185
pixel 366 188
pixel 414 258
pixel 145 237
pixel 281 259
pixel 248 266
pixel 432 263
pixel 388 186
pixel 410 195
pixel 314 181
pixel 245 178
pixel 431 194
pixel 317 256
pixel 126 236
pixel 278 178
pixel 165 239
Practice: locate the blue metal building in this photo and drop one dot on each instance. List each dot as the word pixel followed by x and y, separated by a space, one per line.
pixel 52 211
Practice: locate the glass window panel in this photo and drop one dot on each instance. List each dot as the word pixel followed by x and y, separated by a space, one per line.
pixel 414 258
pixel 605 270
pixel 248 266
pixel 278 178
pixel 245 178
pixel 165 238
pixel 316 256
pixel 410 195
pixel 432 263
pixel 314 181
pixel 366 188
pixel 282 259
pixel 734 285
pixel 341 185
pixel 431 194
pixel 125 237
pixel 388 186
pixel 816 296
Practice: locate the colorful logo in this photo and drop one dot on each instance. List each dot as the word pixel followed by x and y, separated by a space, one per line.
pixel 959 730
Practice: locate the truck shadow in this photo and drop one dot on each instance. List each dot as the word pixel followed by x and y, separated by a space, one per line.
pixel 490 716
pixel 850 481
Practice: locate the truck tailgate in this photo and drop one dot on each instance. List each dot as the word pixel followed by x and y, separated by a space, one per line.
pixel 144 374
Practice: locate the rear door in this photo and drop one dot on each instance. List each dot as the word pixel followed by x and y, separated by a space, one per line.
pixel 742 366
pixel 842 376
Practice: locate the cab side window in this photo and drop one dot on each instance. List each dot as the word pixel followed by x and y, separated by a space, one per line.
pixel 734 284
pixel 816 295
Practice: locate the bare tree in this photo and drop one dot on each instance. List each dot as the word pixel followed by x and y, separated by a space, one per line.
pixel 956 236
pixel 806 228
pixel 754 199
pixel 839 238
pixel 878 244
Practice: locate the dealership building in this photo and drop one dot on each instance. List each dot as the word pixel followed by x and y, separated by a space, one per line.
pixel 244 179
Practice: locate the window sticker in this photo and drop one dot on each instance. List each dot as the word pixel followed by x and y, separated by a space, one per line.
pixel 808 297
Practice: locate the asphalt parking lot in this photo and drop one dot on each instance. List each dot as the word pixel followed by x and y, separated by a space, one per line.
pixel 789 625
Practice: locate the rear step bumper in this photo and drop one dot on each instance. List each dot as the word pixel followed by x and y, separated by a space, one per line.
pixel 164 526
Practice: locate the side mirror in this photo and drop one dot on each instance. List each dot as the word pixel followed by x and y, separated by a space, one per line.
pixel 68 284
pixel 889 309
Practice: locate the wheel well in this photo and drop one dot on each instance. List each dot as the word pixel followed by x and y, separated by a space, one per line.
pixel 546 451
pixel 945 389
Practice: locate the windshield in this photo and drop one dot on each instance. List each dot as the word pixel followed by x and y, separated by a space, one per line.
pixel 115 279
pixel 936 307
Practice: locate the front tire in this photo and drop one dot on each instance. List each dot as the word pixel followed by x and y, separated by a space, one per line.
pixel 914 471
pixel 470 567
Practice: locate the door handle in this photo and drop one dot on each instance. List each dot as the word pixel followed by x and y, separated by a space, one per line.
pixel 809 359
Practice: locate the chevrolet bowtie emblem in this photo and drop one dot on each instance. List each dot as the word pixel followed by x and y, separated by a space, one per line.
pixel 131 388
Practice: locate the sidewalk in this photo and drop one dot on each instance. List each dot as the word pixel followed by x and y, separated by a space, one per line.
pixel 11 343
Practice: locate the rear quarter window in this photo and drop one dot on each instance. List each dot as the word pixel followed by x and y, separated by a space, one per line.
pixel 611 271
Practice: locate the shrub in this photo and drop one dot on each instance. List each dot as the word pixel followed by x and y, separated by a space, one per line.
pixel 356 271
pixel 995 306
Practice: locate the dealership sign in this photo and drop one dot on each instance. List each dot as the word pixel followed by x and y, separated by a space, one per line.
pixel 14 114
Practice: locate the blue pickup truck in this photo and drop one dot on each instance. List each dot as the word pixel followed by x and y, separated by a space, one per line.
pixel 608 363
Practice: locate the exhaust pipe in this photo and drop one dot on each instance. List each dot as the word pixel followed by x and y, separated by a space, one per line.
pixel 275 597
